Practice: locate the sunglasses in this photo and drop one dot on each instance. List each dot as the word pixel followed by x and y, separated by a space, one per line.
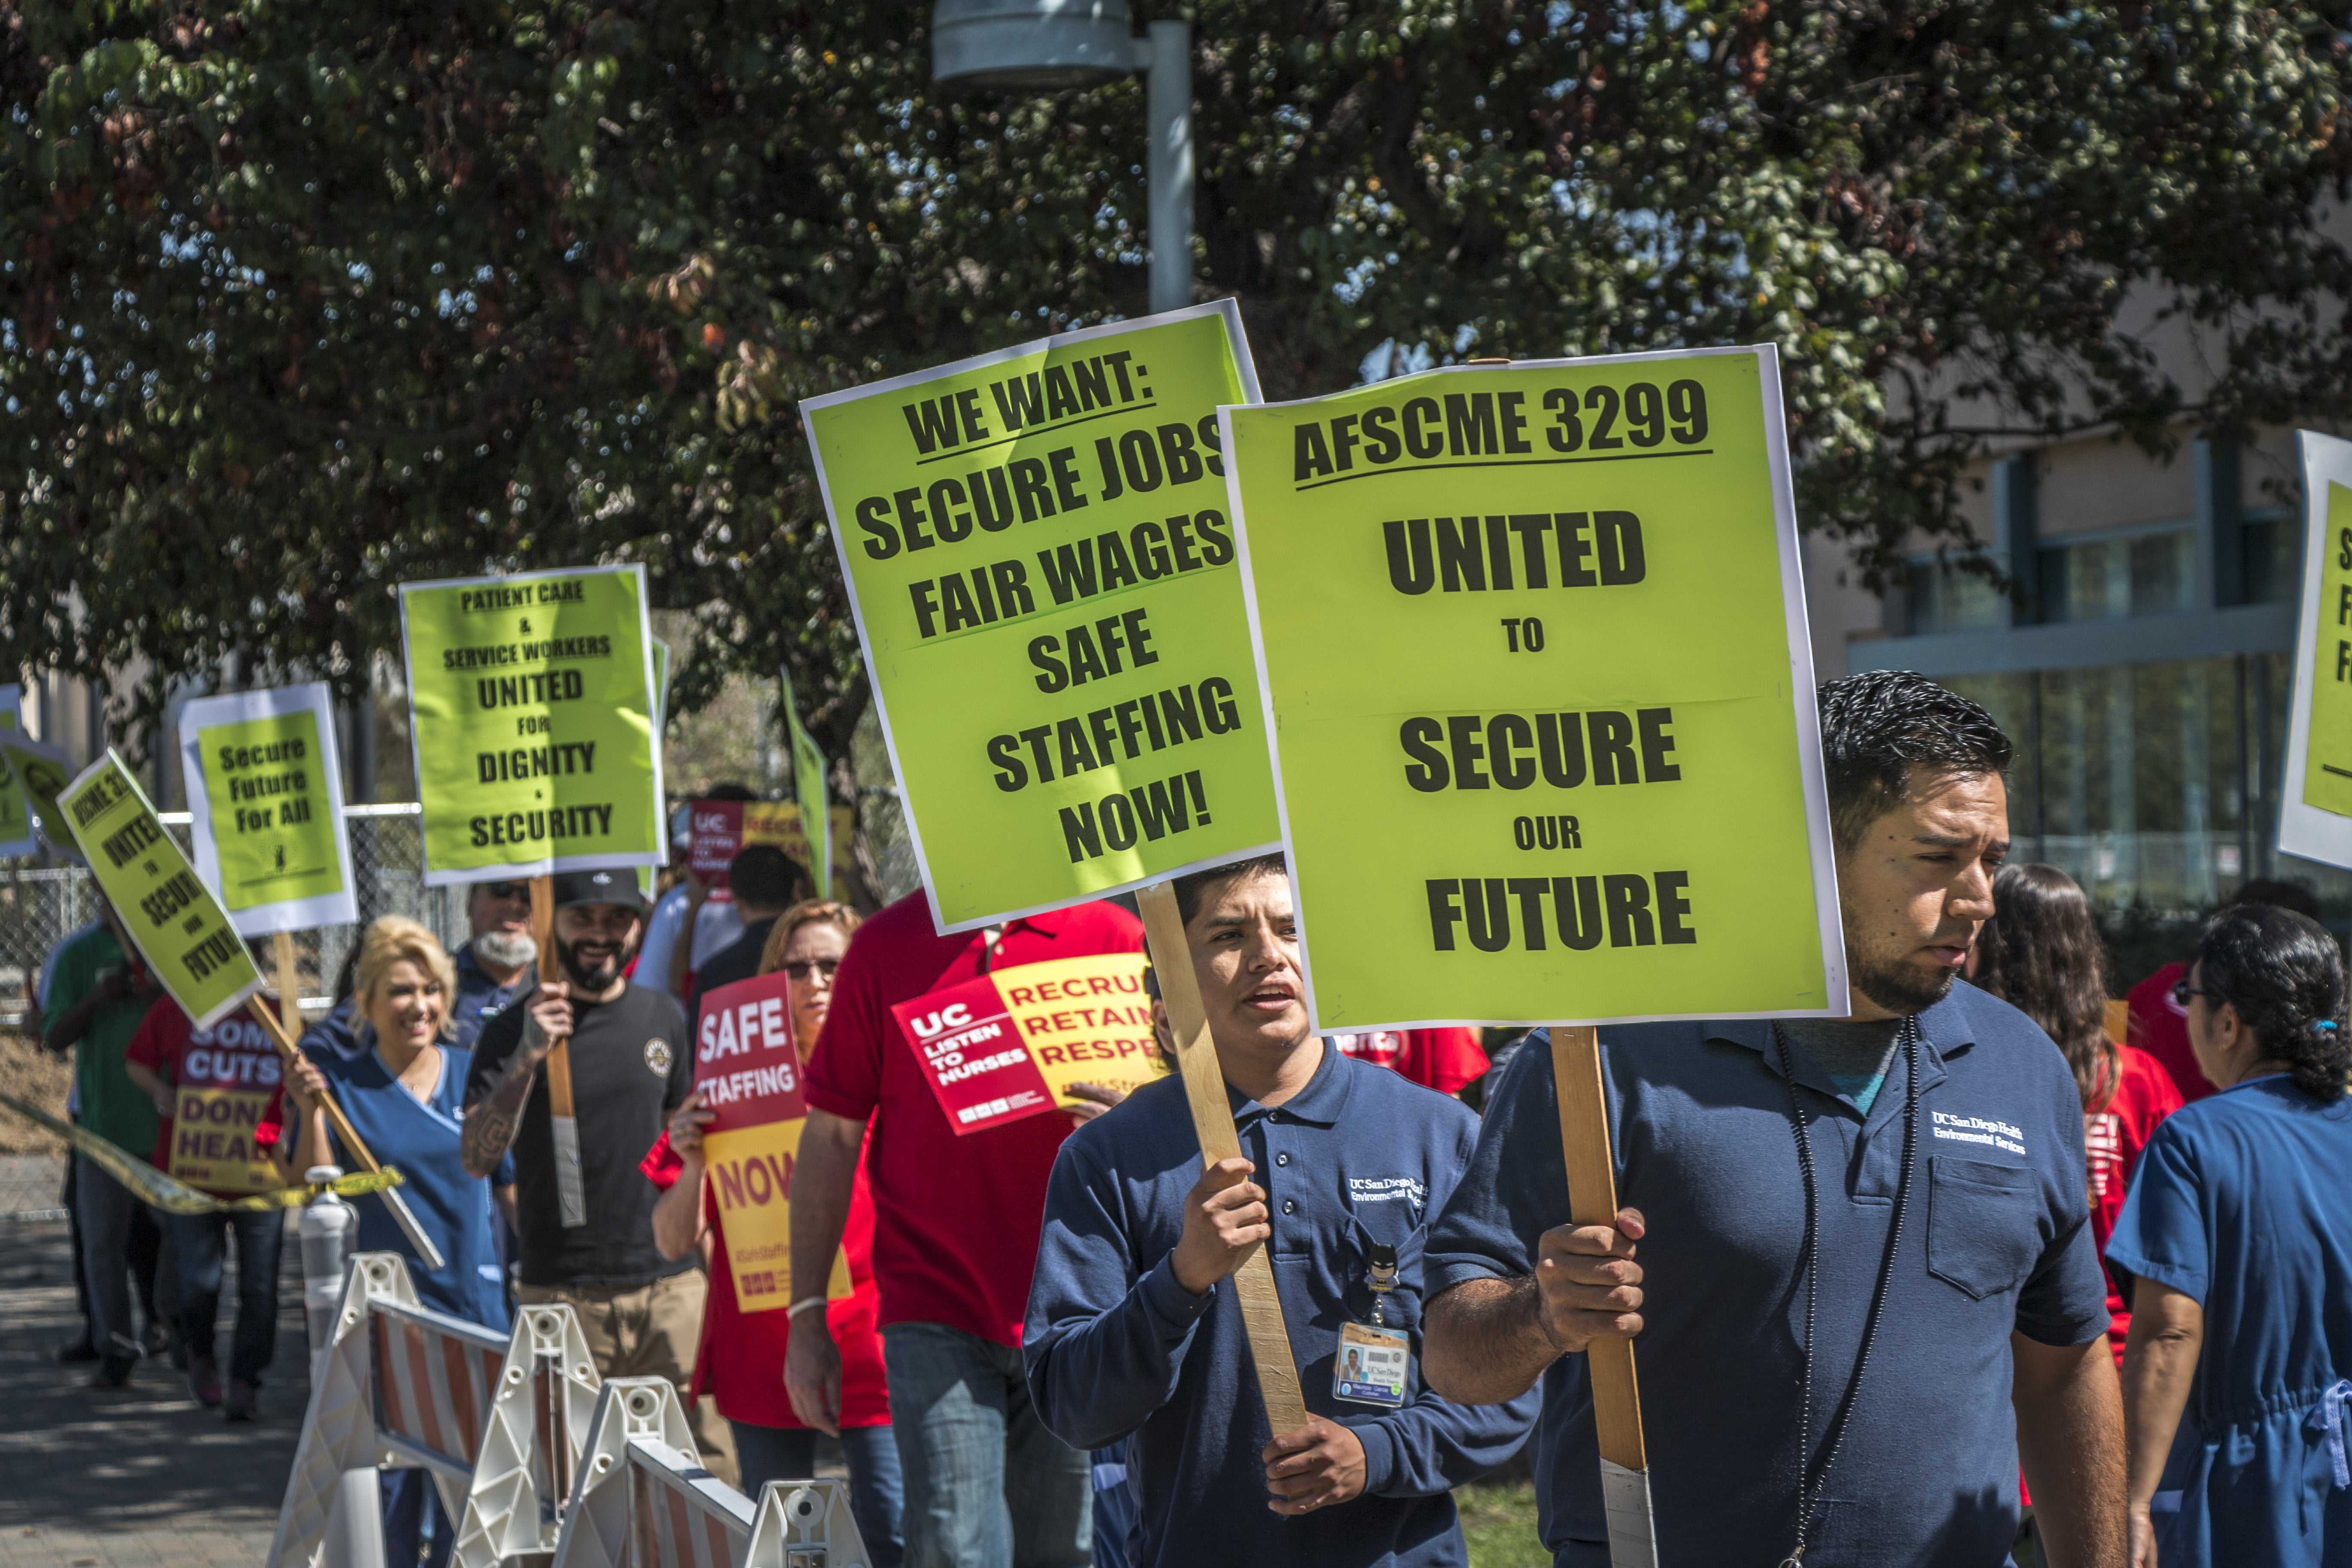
pixel 801 969
pixel 2182 991
pixel 507 889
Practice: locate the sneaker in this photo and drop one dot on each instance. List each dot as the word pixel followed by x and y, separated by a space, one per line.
pixel 75 1352
pixel 204 1379
pixel 114 1371
pixel 156 1340
pixel 242 1400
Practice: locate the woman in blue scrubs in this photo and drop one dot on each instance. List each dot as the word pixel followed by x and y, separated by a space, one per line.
pixel 2238 1239
pixel 404 1092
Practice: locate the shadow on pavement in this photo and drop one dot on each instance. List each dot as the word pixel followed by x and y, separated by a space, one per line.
pixel 146 1458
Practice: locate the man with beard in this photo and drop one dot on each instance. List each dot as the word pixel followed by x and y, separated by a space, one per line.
pixel 1855 1252
pixel 490 970
pixel 632 1065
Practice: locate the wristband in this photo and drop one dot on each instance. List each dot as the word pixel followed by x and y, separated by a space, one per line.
pixel 803 1305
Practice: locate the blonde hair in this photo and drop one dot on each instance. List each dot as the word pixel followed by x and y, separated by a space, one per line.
pixel 387 941
pixel 807 912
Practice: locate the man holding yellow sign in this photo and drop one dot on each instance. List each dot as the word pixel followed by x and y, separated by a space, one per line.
pixel 1590 748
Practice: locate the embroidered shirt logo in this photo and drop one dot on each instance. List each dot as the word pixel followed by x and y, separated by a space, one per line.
pixel 1983 1129
pixel 658 1057
pixel 1387 1189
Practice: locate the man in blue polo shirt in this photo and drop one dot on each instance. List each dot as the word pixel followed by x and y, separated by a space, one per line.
pixel 1860 1388
pixel 1134 1337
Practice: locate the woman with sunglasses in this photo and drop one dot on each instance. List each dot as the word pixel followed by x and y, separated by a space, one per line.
pixel 2041 953
pixel 2237 1241
pixel 740 1363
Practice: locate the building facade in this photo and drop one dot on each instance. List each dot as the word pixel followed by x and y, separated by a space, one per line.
pixel 2142 664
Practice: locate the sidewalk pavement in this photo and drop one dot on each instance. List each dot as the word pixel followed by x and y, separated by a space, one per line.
pixel 141 1477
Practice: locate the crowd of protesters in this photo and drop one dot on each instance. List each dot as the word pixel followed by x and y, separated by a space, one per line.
pixel 2114 1276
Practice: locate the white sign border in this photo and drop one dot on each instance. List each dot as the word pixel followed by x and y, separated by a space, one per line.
pixel 552 864
pixel 105 760
pixel 1229 309
pixel 11 702
pixel 2310 832
pixel 1811 776
pixel 314 698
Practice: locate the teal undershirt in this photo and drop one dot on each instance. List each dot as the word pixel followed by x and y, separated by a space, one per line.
pixel 1856 1057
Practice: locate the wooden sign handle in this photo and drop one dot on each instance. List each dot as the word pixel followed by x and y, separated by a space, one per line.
pixel 542 930
pixel 1213 1123
pixel 283 1039
pixel 290 994
pixel 1592 1200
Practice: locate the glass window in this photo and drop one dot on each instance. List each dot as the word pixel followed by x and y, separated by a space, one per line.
pixel 2110 579
pixel 2271 557
pixel 1946 598
pixel 2155 785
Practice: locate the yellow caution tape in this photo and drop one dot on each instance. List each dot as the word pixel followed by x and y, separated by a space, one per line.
pixel 173 1196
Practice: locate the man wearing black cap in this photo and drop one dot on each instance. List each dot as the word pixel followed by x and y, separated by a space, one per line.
pixel 592 1246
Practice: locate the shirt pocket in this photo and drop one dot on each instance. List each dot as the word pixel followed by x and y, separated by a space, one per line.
pixel 1983 1229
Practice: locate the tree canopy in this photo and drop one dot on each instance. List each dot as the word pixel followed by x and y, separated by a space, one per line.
pixel 301 301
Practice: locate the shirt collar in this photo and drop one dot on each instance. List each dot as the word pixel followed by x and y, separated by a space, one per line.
pixel 1945 1030
pixel 1319 1104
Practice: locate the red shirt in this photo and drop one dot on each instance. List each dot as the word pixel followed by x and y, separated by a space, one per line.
pixel 956 1219
pixel 1442 1059
pixel 740 1361
pixel 2160 1028
pixel 2112 1140
pixel 233 1054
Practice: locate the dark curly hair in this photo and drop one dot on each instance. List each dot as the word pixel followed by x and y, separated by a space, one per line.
pixel 1877 727
pixel 2284 974
pixel 1192 891
pixel 2041 953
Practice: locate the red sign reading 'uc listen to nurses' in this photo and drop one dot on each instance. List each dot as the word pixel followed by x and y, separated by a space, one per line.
pixel 1010 1044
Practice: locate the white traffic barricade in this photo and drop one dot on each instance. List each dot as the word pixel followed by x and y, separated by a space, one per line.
pixel 642 1499
pixel 497 1420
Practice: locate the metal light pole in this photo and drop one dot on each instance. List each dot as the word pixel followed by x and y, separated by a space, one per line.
pixel 1045 46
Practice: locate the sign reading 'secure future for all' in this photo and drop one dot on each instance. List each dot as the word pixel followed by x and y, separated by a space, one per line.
pixel 1564 763
pixel 1038 555
pixel 533 710
pixel 266 807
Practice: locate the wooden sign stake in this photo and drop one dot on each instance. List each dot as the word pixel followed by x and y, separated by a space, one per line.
pixel 289 994
pixel 283 1039
pixel 571 1183
pixel 1616 1394
pixel 1213 1123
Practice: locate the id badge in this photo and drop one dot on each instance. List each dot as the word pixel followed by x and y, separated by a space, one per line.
pixel 1373 1367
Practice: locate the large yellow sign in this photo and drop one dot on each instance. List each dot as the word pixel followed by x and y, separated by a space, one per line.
pixel 1535 659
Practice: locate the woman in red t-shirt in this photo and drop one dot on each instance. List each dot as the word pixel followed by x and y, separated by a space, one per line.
pixel 2040 954
pixel 741 1364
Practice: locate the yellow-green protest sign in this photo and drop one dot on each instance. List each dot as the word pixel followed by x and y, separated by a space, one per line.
pixel 1536 672
pixel 2316 816
pixel 533 714
pixel 1043 573
pixel 37 770
pixel 266 807
pixel 16 816
pixel 179 928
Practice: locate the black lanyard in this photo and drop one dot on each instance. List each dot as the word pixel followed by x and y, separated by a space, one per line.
pixel 1809 1478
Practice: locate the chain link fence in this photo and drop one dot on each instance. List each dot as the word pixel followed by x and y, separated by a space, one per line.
pixel 42 904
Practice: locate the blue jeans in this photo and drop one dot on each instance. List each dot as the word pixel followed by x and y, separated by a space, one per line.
pixel 197 1238
pixel 412 1506
pixel 987 1485
pixel 876 1494
pixel 104 1208
pixel 1116 1509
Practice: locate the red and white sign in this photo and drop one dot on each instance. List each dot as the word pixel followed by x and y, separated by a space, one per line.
pixel 1010 1044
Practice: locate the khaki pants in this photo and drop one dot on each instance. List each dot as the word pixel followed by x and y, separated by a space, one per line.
pixel 649 1330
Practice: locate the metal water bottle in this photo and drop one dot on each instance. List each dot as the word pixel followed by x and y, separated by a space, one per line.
pixel 327 1226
